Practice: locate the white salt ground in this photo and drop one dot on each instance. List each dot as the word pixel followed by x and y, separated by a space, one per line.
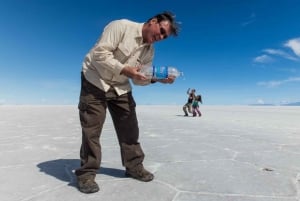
pixel 231 153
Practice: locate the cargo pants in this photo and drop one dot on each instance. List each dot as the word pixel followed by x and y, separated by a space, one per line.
pixel 92 107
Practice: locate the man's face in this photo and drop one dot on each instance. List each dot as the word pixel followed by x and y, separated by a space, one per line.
pixel 156 31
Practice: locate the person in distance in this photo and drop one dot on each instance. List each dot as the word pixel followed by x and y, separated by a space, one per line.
pixel 195 106
pixel 188 106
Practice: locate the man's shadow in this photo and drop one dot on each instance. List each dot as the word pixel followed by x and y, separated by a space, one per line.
pixel 63 169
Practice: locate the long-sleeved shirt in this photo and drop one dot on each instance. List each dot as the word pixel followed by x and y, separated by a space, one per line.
pixel 121 44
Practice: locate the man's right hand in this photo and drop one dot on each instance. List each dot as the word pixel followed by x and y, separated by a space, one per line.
pixel 133 73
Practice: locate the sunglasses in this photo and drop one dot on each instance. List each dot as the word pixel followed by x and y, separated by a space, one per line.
pixel 163 32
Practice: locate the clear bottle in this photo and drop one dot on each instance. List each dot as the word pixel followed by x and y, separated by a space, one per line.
pixel 161 72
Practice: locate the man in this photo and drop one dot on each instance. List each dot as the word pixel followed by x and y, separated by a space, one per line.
pixel 188 106
pixel 123 48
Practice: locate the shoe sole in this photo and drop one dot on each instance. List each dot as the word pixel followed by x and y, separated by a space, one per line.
pixel 140 179
pixel 94 190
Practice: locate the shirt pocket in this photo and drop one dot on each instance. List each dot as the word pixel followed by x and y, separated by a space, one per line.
pixel 122 53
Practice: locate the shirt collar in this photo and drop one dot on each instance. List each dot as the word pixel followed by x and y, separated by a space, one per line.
pixel 139 37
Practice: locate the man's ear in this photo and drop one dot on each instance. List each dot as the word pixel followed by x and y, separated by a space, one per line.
pixel 153 21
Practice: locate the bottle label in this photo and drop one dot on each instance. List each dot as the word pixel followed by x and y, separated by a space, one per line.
pixel 160 72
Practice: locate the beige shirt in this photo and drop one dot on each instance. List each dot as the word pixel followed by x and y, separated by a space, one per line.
pixel 121 44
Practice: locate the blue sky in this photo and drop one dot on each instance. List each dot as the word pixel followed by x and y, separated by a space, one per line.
pixel 232 52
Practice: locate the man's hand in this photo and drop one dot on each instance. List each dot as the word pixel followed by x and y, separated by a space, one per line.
pixel 168 80
pixel 133 73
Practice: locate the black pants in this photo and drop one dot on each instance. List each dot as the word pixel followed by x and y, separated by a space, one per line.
pixel 92 111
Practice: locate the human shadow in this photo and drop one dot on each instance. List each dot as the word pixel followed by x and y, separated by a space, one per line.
pixel 182 115
pixel 63 169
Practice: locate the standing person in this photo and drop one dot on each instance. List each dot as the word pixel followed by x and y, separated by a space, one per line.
pixel 195 106
pixel 118 55
pixel 188 106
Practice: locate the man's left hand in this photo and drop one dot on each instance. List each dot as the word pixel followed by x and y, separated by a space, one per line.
pixel 168 80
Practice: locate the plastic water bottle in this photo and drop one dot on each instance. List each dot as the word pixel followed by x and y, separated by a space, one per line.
pixel 161 72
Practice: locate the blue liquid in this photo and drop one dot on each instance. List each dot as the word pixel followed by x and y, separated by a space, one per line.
pixel 160 72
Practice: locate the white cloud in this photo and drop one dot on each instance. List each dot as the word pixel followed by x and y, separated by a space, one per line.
pixel 280 53
pixel 282 102
pixel 294 44
pixel 275 83
pixel 249 20
pixel 263 59
pixel 289 70
pixel 294 79
pixel 270 83
pixel 260 101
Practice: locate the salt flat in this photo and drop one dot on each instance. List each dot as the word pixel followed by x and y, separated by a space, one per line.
pixel 231 153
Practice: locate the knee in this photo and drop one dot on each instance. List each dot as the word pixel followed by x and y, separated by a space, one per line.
pixel 90 118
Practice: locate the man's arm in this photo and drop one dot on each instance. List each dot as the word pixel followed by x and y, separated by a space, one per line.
pixel 102 53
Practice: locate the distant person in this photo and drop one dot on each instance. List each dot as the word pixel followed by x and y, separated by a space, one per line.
pixel 118 55
pixel 188 106
pixel 195 106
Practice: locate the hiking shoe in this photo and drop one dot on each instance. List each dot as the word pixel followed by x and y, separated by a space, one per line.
pixel 88 186
pixel 139 173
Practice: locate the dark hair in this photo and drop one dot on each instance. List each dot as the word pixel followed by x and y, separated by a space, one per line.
pixel 175 26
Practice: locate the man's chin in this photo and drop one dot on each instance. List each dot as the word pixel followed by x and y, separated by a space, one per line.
pixel 150 41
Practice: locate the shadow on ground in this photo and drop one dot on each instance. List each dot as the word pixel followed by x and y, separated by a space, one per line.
pixel 63 169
